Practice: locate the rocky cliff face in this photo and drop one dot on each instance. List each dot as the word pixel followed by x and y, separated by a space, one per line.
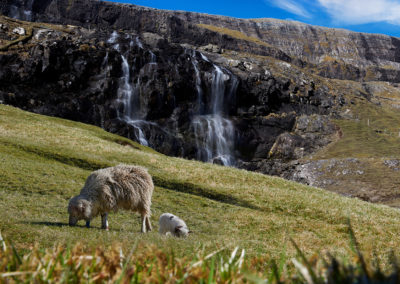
pixel 255 94
pixel 165 95
pixel 334 53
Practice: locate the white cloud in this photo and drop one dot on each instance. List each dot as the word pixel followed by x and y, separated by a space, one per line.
pixel 292 7
pixel 363 11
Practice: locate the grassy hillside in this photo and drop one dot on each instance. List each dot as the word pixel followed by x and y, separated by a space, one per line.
pixel 363 162
pixel 45 161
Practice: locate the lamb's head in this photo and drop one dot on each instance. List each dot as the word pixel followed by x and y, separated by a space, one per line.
pixel 79 208
pixel 181 231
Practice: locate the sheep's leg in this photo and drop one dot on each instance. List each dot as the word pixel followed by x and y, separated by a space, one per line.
pixel 143 223
pixel 88 224
pixel 104 221
pixel 148 224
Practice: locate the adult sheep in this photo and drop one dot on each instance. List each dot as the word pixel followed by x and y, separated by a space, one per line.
pixel 123 186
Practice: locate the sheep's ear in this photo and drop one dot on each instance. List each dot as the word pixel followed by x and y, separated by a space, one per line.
pixel 172 217
pixel 178 229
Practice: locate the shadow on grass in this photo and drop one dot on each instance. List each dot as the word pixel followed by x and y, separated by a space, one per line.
pixel 198 190
pixel 85 164
pixel 61 224
pixel 53 224
pixel 50 224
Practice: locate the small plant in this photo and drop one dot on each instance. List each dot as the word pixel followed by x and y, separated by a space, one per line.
pixel 151 265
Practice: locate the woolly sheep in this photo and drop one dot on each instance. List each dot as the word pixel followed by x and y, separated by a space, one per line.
pixel 123 186
pixel 169 223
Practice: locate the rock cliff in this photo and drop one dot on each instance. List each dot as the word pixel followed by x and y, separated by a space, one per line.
pixel 334 53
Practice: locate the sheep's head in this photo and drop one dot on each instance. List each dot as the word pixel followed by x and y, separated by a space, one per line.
pixel 78 209
pixel 181 231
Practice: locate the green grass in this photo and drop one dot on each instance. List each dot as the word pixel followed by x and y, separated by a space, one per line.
pixel 46 160
pixel 234 33
pixel 151 265
pixel 371 136
pixel 373 133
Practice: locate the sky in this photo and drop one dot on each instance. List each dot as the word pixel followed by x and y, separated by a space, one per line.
pixel 370 16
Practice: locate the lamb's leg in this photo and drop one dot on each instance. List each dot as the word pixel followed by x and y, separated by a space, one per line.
pixel 104 221
pixel 143 223
pixel 88 224
pixel 148 224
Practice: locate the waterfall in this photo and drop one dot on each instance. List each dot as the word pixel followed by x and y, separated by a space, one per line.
pixel 28 11
pixel 25 15
pixel 199 90
pixel 136 42
pixel 128 103
pixel 128 109
pixel 204 57
pixel 113 38
pixel 214 138
pixel 218 90
pixel 214 134
pixel 14 12
pixel 153 58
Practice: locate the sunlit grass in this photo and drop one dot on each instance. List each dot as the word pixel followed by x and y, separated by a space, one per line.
pixel 149 264
pixel 46 160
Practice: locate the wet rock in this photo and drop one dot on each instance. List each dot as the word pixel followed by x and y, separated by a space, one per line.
pixel 19 31
pixel 211 48
pixel 218 161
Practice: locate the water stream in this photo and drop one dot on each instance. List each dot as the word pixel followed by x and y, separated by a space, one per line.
pixel 128 96
pixel 214 133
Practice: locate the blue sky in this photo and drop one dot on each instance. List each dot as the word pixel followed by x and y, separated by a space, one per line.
pixel 371 16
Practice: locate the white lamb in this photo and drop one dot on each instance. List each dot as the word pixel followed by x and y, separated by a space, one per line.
pixel 110 189
pixel 169 223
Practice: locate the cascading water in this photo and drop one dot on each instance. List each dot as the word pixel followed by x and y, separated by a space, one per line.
pixel 213 133
pixel 214 138
pixel 153 58
pixel 18 13
pixel 128 97
pixel 113 38
pixel 129 101
pixel 199 90
pixel 28 11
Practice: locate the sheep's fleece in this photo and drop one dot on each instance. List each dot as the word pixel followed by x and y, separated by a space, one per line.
pixel 169 223
pixel 120 187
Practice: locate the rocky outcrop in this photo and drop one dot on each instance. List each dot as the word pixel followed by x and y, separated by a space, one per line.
pixel 97 76
pixel 333 53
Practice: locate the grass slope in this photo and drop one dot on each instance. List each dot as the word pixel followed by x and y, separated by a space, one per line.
pixel 45 161
pixel 370 135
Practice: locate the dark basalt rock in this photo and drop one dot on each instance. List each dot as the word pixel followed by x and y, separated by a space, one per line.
pixel 334 53
pixel 78 78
